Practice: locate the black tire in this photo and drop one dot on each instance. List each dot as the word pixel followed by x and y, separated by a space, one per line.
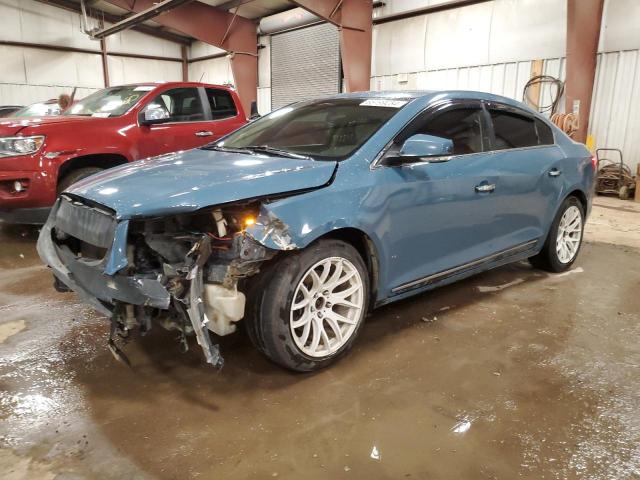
pixel 270 296
pixel 75 176
pixel 548 259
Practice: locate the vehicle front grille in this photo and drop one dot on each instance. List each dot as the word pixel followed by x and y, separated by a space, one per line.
pixel 89 224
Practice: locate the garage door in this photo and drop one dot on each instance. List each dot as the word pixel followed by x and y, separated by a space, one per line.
pixel 305 63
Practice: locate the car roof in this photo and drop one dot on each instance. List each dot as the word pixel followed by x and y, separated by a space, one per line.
pixel 176 84
pixel 430 95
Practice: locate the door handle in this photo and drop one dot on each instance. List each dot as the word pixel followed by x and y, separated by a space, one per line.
pixel 485 187
pixel 554 172
pixel 204 133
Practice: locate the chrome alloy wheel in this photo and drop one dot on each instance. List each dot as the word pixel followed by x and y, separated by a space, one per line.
pixel 327 307
pixel 569 234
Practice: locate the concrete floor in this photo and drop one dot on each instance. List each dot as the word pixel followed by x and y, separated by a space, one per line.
pixel 514 373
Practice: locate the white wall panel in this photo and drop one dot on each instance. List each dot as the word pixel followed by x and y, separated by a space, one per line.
pixel 12 70
pixel 21 94
pixel 62 68
pixel 406 46
pixel 130 41
pixel 35 22
pixel 620 26
pixel 399 6
pixel 507 79
pixel 615 109
pixel 124 70
pixel 457 37
pixel 201 49
pixel 264 63
pixel 30 75
pixel 527 29
pixel 216 71
pixel 264 100
pixel 495 32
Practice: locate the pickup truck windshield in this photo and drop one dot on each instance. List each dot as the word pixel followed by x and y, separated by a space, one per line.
pixel 110 102
pixel 322 129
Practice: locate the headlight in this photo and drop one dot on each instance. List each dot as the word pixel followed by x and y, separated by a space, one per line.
pixel 11 146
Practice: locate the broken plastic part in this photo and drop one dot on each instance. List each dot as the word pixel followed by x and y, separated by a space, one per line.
pixel 271 232
pixel 221 223
pixel 114 330
pixel 195 311
pixel 223 307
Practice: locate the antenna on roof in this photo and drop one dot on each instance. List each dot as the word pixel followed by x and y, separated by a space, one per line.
pixel 201 77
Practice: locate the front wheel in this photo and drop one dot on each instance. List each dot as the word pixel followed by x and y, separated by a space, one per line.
pixel 75 176
pixel 565 238
pixel 306 309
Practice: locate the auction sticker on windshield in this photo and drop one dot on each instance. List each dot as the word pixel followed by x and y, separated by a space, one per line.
pixel 383 102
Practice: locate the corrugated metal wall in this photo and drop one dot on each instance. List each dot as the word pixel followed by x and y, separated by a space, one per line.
pixel 31 74
pixel 506 79
pixel 615 110
pixel 487 47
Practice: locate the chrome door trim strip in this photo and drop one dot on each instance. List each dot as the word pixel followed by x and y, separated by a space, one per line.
pixel 452 271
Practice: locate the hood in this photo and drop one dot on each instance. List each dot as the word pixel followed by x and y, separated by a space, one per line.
pixel 187 181
pixel 11 126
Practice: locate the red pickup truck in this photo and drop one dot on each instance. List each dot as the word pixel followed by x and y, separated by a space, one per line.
pixel 42 156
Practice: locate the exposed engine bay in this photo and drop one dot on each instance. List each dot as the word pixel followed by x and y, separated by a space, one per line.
pixel 182 272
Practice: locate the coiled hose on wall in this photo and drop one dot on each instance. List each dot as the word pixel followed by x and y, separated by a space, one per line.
pixel 567 122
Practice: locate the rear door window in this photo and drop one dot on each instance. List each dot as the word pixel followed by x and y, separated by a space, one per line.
pixel 512 130
pixel 221 103
pixel 182 104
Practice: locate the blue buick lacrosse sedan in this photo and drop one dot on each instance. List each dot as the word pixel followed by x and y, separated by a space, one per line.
pixel 304 220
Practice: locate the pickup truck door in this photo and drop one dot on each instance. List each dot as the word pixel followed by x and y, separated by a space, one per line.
pixel 189 124
pixel 223 112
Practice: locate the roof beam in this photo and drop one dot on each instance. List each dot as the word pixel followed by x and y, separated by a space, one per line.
pixel 108 17
pixel 333 11
pixel 439 7
pixel 211 25
pixel 138 18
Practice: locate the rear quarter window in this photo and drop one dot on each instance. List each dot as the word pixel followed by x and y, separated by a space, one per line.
pixel 545 135
pixel 513 130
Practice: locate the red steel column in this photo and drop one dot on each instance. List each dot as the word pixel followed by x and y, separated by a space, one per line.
pixel 354 19
pixel 356 45
pixel 224 30
pixel 584 18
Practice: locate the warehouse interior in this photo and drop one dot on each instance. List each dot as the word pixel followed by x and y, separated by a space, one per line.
pixel 510 373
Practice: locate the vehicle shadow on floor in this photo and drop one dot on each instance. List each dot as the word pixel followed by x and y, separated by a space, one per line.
pixel 157 362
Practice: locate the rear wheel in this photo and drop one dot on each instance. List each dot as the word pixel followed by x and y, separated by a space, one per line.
pixel 75 176
pixel 306 309
pixel 565 238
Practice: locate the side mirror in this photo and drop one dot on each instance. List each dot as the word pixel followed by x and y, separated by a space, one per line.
pixel 153 115
pixel 421 147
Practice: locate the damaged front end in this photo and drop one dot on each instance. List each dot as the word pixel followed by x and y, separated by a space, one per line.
pixel 182 272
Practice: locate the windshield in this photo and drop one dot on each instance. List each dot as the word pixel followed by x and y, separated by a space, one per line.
pixel 322 129
pixel 110 102
pixel 38 110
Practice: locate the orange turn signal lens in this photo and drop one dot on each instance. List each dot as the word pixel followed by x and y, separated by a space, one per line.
pixel 248 221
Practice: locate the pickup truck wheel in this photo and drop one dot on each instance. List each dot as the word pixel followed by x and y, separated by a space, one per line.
pixel 565 238
pixel 306 309
pixel 75 176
